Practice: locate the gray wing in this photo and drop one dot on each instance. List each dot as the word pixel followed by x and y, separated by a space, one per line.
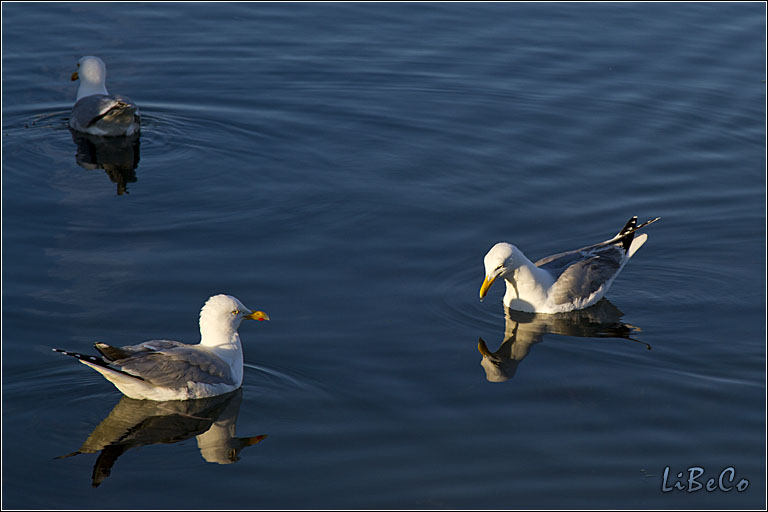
pixel 582 272
pixel 171 364
pixel 557 263
pixel 102 108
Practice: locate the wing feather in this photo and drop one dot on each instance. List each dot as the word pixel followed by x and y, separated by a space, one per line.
pixel 586 272
pixel 90 110
pixel 172 364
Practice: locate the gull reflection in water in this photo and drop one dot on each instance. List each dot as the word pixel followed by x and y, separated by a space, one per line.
pixel 117 156
pixel 134 423
pixel 523 330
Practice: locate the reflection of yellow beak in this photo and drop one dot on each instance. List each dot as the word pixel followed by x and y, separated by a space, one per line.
pixel 257 315
pixel 250 441
pixel 483 348
pixel 486 284
pixel 75 76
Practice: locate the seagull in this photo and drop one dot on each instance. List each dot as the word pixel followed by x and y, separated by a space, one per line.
pixel 563 282
pixel 170 370
pixel 96 111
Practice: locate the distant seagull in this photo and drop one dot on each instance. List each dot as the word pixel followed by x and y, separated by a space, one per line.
pixel 566 281
pixel 96 111
pixel 170 370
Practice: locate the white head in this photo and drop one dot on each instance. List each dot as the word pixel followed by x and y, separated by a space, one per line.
pixel 500 260
pixel 221 316
pixel 92 74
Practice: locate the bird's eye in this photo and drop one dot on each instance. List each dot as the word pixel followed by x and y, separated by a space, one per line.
pixel 236 312
pixel 499 267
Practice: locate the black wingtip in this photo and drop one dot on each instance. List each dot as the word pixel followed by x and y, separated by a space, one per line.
pixel 627 233
pixel 95 360
pixel 83 357
pixel 630 225
pixel 648 222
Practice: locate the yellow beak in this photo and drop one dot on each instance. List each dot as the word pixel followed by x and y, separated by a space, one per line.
pixel 257 315
pixel 75 76
pixel 486 284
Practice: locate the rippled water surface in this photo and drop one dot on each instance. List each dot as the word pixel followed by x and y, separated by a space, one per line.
pixel 345 167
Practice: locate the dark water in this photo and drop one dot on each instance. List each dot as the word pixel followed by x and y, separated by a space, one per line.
pixel 345 167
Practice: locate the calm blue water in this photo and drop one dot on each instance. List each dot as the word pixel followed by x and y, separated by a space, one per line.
pixel 345 167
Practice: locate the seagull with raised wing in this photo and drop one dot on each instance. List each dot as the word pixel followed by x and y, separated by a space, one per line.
pixel 566 281
pixel 96 111
pixel 170 370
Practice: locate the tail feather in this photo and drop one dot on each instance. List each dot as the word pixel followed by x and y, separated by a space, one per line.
pixel 636 244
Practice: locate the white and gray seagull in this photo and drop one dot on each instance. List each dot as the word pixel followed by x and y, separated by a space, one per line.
pixel 563 282
pixel 170 370
pixel 96 111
